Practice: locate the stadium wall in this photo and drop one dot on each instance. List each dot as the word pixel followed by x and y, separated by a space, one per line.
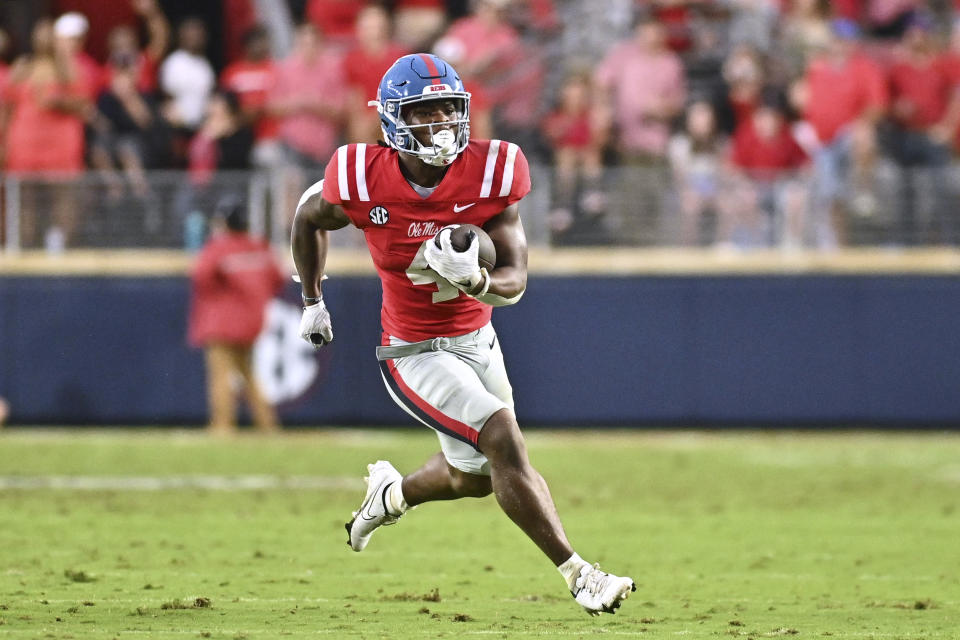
pixel 772 350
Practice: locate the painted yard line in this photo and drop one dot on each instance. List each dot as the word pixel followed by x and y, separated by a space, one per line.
pixel 463 632
pixel 107 601
pixel 163 483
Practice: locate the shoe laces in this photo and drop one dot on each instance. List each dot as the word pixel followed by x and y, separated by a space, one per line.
pixel 593 580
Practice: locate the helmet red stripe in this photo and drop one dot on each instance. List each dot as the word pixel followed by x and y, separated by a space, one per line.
pixel 431 67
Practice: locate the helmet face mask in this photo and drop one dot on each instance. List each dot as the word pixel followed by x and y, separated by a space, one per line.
pixel 417 79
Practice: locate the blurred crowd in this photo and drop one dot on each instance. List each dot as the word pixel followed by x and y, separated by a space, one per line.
pixel 730 122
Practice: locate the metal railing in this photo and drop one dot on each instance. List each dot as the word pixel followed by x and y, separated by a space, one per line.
pixel 647 206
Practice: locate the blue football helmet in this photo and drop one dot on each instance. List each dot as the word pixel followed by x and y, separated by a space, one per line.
pixel 420 77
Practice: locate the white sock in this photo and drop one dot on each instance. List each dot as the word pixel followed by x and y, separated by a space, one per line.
pixel 396 505
pixel 570 569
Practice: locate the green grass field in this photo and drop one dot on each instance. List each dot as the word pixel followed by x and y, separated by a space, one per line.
pixel 148 534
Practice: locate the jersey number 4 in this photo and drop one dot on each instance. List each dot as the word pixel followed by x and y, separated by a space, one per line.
pixel 421 274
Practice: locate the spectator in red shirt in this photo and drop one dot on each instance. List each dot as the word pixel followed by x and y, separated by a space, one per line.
pixel 842 96
pixel 335 19
pixel 251 78
pixel 233 280
pixel 768 184
pixel 364 66
pixel 924 121
pixel 577 148
pixel 44 105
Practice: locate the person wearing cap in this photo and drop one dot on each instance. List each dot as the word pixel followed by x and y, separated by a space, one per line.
pixel 842 96
pixel 234 278
pixel 71 30
pixel 925 105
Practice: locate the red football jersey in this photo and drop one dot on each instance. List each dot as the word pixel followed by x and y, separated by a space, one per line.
pixel 365 180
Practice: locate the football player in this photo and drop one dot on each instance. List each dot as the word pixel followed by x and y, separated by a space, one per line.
pixel 440 358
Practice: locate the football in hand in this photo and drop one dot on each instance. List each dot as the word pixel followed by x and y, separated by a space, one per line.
pixel 461 237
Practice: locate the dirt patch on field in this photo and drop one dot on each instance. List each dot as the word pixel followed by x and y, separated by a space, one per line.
pixel 433 596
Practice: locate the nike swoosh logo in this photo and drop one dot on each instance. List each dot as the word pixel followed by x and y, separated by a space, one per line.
pixel 365 511
pixel 457 208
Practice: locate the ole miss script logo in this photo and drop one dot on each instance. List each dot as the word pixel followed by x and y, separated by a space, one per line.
pixel 379 215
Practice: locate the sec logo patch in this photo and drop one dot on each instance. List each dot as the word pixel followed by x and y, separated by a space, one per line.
pixel 379 215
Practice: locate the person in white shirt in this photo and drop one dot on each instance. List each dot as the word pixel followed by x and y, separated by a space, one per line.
pixel 187 76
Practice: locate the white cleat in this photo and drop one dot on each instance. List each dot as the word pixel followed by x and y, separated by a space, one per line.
pixel 599 592
pixel 373 510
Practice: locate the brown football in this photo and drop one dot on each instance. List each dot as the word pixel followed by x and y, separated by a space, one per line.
pixel 460 239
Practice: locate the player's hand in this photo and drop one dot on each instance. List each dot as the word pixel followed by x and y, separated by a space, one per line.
pixel 459 267
pixel 315 325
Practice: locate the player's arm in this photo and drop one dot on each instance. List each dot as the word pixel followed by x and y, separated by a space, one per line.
pixel 508 280
pixel 308 240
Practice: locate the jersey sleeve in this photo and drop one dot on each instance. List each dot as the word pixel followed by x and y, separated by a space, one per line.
pixel 331 181
pixel 521 178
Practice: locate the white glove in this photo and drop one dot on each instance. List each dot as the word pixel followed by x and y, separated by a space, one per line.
pixel 460 268
pixel 315 325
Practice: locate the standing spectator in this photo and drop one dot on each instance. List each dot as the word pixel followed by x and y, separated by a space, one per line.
pixel 187 76
pixel 577 164
pixel 642 90
pixel 309 99
pixel 123 44
pixel 842 96
pixel 234 278
pixel 364 65
pixel 696 157
pixel 250 78
pixel 767 197
pixel 45 103
pixel 921 92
